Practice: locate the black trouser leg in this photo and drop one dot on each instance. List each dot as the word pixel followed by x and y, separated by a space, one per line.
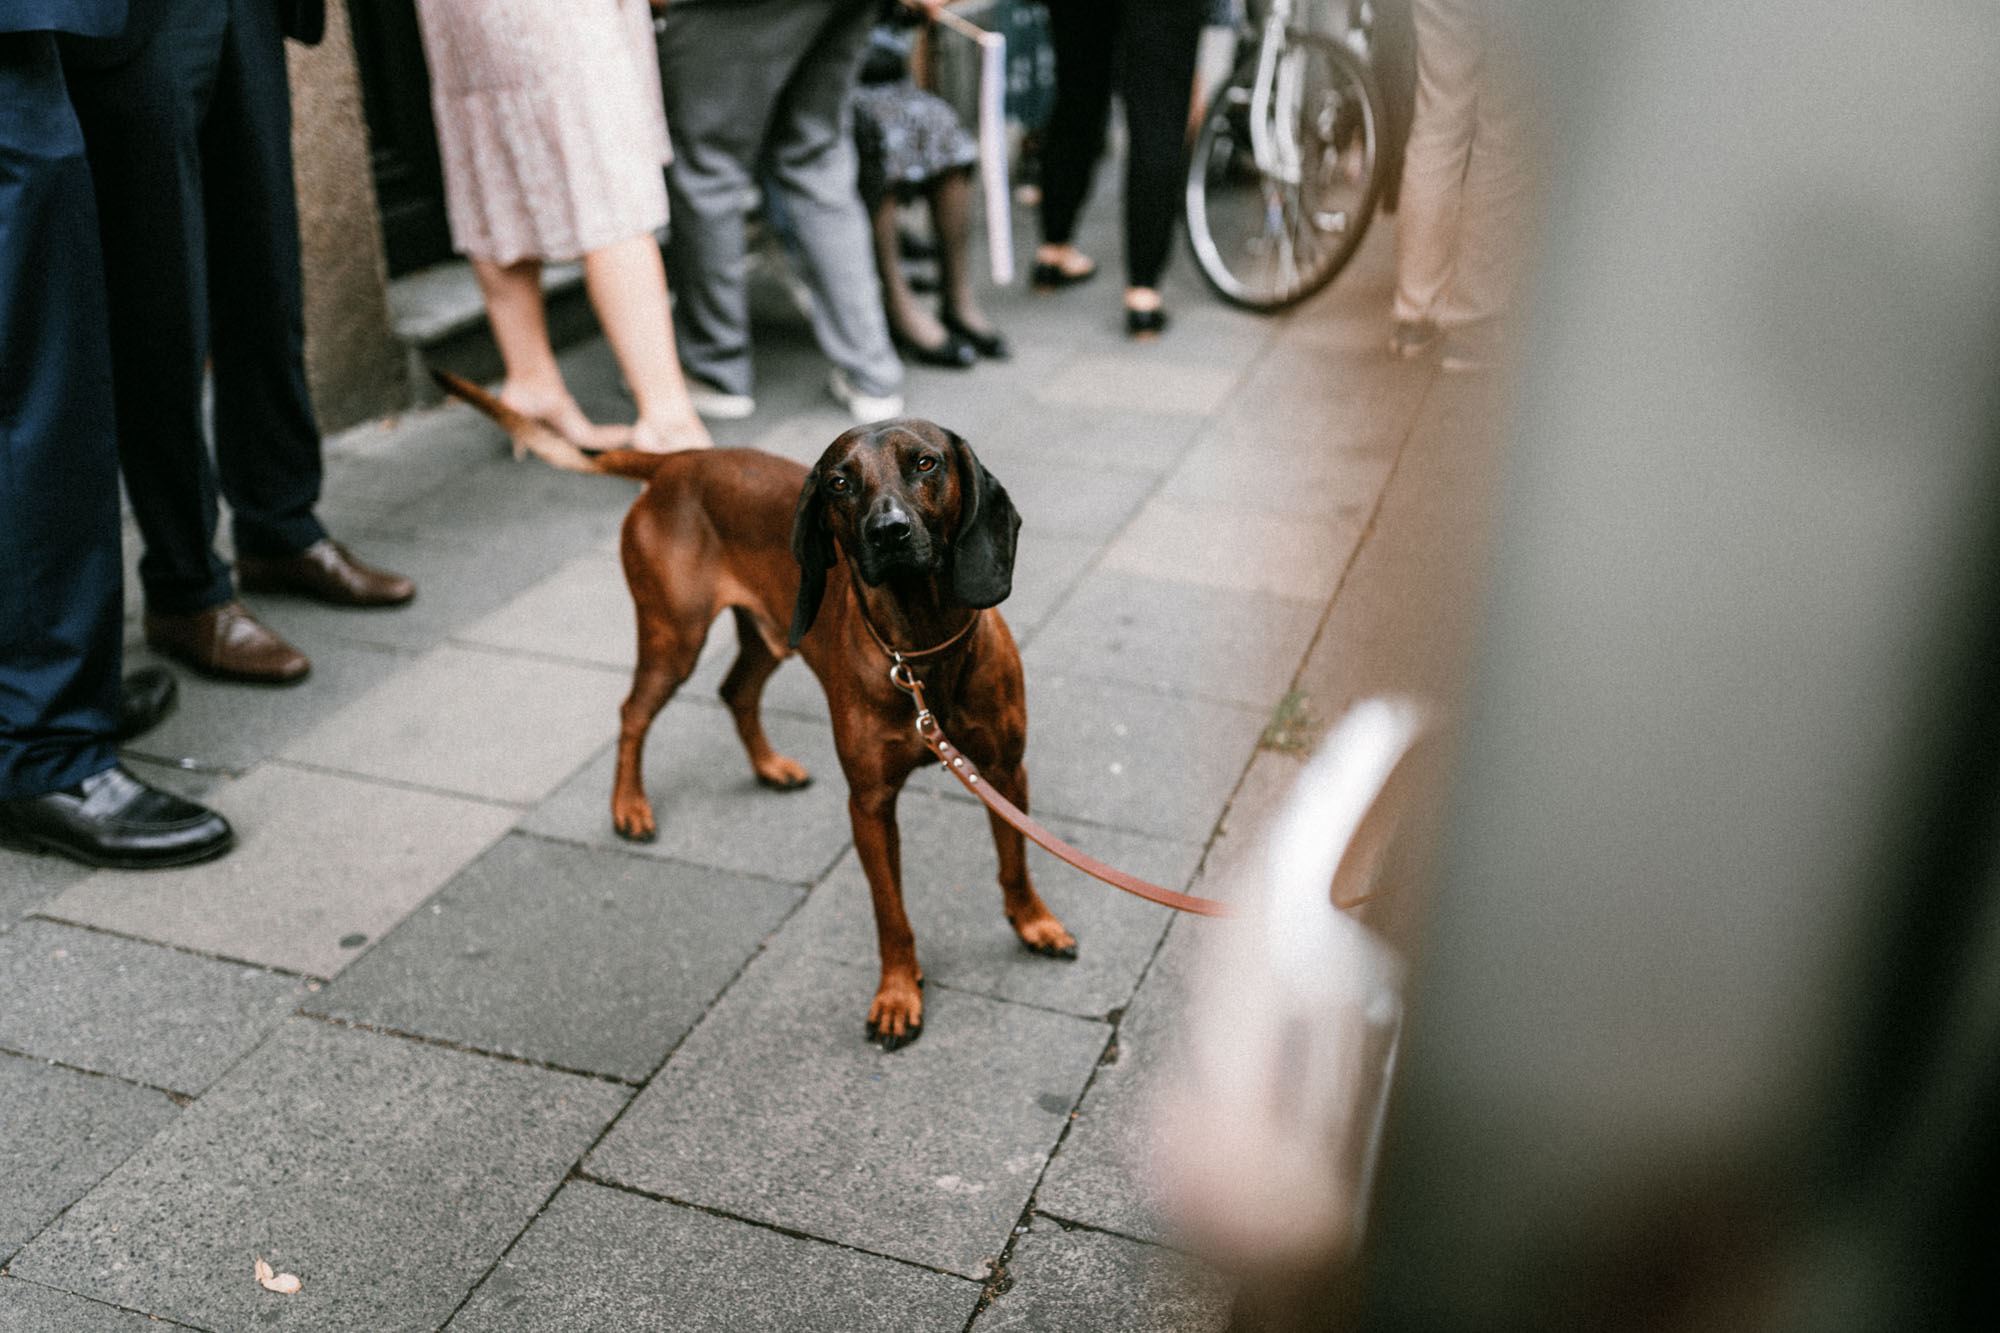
pixel 1084 35
pixel 267 443
pixel 1156 82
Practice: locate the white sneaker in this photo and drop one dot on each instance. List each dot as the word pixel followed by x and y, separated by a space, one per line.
pixel 865 408
pixel 719 404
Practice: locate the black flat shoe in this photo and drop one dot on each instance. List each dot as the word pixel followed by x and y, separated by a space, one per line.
pixel 954 353
pixel 150 694
pixel 1049 277
pixel 114 819
pixel 1145 323
pixel 989 345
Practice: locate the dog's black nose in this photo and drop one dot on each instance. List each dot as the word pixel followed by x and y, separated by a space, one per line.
pixel 889 528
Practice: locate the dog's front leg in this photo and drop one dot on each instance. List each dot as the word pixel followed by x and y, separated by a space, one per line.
pixel 1026 912
pixel 896 1018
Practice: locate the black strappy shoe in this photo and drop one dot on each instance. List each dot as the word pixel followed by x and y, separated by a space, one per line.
pixel 989 344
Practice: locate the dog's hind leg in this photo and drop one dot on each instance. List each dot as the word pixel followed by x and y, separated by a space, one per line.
pixel 666 657
pixel 743 690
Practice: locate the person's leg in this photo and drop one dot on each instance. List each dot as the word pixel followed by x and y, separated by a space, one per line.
pixel 534 384
pixel 810 150
pixel 721 79
pixel 908 319
pixel 628 289
pixel 1158 40
pixel 140 110
pixel 1496 215
pixel 61 631
pixel 950 197
pixel 1441 131
pixel 1083 34
pixel 267 446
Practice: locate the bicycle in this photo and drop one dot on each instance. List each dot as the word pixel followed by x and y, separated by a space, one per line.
pixel 1283 179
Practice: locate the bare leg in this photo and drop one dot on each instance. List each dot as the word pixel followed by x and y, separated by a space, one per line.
pixel 907 317
pixel 628 289
pixel 535 385
pixel 951 219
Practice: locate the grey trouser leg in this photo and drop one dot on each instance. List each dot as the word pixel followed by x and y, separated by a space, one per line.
pixel 769 80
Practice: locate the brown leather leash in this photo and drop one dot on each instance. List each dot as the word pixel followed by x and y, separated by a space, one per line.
pixel 956 764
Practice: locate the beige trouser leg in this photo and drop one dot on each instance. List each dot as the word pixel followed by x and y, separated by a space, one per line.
pixel 1462 222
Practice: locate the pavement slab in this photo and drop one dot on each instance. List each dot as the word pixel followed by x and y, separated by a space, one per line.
pixel 1235 646
pixel 667 1269
pixel 587 960
pixel 389 1175
pixel 1076 1281
pixel 60 1133
pixel 581 613
pixel 323 865
pixel 1140 382
pixel 27 1308
pixel 777 1110
pixel 29 879
pixel 231 728
pixel 1203 544
pixel 116 1006
pixel 963 939
pixel 708 804
pixel 1103 1175
pixel 494 725
pixel 1100 752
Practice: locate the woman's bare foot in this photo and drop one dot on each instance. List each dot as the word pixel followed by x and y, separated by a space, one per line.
pixel 561 415
pixel 1067 259
pixel 672 436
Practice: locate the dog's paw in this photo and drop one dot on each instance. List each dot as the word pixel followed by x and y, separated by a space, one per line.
pixel 896 1018
pixel 634 823
pixel 1046 937
pixel 783 774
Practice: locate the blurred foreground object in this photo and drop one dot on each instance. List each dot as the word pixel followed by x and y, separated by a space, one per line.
pixel 1269 1137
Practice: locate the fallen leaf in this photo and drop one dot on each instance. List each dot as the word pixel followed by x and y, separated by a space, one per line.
pixel 283 1283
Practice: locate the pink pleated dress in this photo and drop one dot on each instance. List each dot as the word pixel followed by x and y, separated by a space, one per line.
pixel 549 124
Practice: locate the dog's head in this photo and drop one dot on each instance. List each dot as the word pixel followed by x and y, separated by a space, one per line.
pixel 903 499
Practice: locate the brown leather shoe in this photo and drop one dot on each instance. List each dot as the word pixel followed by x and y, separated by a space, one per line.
pixel 326 572
pixel 227 641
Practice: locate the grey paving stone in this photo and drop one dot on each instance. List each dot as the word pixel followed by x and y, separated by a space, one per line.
pixel 707 803
pixel 231 727
pixel 1236 646
pixel 323 866
pixel 588 960
pixel 60 1133
pixel 667 1269
pixel 1133 380
pixel 501 501
pixel 139 1011
pixel 1110 754
pixel 1106 1173
pixel 386 1173
pixel 1204 544
pixel 29 879
pixel 1101 439
pixel 1086 1282
pixel 963 939
pixel 497 725
pixel 1072 500
pixel 1046 567
pixel 582 611
pixel 27 1308
pixel 1282 476
pixel 776 1109
pixel 455 587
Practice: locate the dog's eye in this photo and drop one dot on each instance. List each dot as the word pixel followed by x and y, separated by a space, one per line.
pixel 836 484
pixel 926 463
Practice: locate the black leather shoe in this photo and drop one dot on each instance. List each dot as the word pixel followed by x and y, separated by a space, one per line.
pixel 1145 323
pixel 990 345
pixel 113 819
pixel 954 353
pixel 150 694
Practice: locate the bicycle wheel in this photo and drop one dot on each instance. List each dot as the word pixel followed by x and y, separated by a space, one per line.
pixel 1267 239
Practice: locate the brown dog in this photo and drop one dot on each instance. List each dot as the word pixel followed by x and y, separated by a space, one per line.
pixel 897 532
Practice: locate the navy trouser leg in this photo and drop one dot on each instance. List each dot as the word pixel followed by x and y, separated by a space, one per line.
pixel 267 444
pixel 60 595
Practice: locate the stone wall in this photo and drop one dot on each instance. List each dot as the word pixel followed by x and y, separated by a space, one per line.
pixel 353 361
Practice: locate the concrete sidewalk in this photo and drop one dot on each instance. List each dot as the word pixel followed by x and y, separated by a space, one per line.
pixel 435 1040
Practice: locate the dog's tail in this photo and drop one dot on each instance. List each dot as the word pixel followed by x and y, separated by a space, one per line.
pixel 529 435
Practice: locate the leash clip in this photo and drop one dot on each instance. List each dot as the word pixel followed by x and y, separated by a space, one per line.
pixel 906 680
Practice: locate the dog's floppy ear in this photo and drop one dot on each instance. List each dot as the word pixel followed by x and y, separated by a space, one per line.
pixel 982 567
pixel 812 546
